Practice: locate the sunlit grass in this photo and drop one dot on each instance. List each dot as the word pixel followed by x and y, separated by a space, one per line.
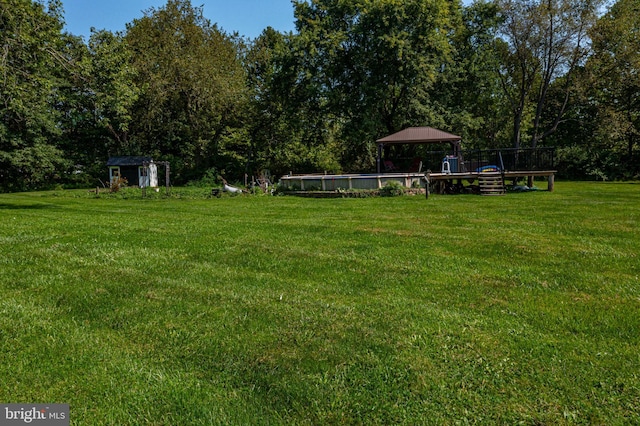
pixel 262 310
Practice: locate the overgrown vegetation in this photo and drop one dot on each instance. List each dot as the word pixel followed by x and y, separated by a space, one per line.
pixel 175 87
pixel 283 310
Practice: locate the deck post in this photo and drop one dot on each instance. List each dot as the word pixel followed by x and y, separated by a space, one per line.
pixel 427 181
pixel 167 180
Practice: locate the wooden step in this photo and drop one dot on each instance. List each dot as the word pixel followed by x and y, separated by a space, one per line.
pixel 491 184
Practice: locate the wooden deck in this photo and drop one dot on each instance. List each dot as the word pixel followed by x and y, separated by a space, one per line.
pixel 441 182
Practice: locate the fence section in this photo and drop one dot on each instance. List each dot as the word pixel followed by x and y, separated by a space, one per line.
pixel 508 159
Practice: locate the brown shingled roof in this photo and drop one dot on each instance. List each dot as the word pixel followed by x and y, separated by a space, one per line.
pixel 419 135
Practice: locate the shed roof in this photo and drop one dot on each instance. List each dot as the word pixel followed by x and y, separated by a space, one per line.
pixel 419 135
pixel 129 161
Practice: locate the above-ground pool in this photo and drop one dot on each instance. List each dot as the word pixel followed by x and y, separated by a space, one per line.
pixel 351 181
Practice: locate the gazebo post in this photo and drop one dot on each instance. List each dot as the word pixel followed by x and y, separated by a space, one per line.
pixel 379 158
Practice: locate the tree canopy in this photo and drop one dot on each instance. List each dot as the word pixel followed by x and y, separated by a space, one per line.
pixel 615 69
pixel 31 63
pixel 176 87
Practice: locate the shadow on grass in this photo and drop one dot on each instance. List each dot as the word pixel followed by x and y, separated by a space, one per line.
pixel 27 206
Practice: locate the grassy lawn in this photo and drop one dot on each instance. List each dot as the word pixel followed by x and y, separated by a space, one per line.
pixel 281 310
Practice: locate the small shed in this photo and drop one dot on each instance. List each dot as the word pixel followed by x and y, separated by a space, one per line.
pixel 138 171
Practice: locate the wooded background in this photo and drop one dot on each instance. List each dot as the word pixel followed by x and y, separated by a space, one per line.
pixel 505 73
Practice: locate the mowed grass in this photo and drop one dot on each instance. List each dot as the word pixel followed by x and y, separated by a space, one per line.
pixel 281 310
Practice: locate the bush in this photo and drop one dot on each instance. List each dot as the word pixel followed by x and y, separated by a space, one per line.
pixel 210 178
pixel 281 189
pixel 117 184
pixel 392 189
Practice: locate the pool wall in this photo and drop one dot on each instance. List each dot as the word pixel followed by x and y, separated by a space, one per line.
pixel 351 181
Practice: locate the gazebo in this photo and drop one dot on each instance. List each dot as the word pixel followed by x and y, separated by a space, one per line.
pixel 417 135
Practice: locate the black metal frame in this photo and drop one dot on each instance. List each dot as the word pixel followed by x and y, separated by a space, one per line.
pixel 506 159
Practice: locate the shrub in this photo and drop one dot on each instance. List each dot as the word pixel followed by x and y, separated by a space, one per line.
pixel 210 178
pixel 392 189
pixel 117 184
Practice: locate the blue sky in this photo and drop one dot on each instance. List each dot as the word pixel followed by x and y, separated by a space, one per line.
pixel 247 17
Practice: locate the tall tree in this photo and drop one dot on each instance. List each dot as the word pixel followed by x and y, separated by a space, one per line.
pixel 615 66
pixel 98 100
pixel 472 94
pixel 31 56
pixel 192 84
pixel 373 64
pixel 114 89
pixel 542 40
pixel 288 126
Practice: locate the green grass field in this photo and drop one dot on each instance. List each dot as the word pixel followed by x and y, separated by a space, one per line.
pixel 281 310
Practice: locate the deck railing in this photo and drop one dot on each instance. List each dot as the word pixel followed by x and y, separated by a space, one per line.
pixel 506 159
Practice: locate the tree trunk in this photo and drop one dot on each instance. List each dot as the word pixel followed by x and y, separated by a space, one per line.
pixel 517 124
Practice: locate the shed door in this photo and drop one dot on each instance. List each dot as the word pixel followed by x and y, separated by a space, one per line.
pixel 153 175
pixel 143 177
pixel 114 173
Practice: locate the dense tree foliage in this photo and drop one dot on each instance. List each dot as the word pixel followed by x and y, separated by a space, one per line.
pixel 99 101
pixel 31 61
pixel 288 127
pixel 473 102
pixel 172 85
pixel 615 71
pixel 374 64
pixel 541 41
pixel 191 84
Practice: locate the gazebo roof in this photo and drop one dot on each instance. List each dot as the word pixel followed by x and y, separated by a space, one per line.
pixel 419 135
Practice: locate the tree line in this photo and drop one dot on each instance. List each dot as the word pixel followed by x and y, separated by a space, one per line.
pixel 501 73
